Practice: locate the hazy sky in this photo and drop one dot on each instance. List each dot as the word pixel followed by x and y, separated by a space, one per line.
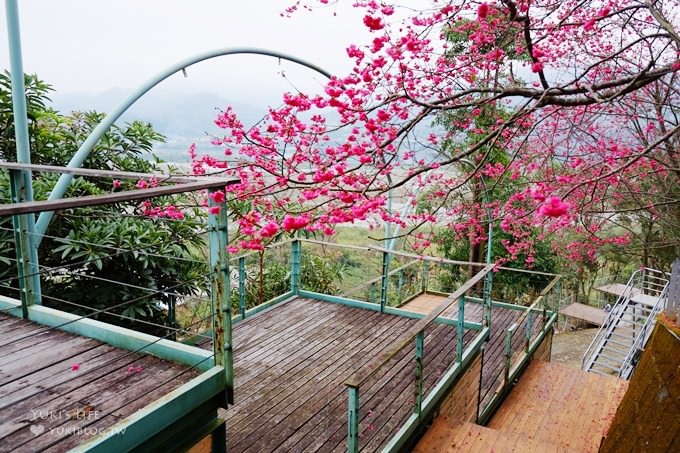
pixel 92 46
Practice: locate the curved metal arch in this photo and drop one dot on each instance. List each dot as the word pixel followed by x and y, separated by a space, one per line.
pixel 99 131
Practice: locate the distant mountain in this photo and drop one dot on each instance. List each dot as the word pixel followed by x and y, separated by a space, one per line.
pixel 184 118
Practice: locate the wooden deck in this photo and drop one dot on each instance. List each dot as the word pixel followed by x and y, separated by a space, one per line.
pixel 501 319
pixel 291 361
pixel 591 315
pixel 58 389
pixel 617 289
pixel 553 408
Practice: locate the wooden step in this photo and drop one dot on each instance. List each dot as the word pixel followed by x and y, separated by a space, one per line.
pixel 448 435
pixel 563 406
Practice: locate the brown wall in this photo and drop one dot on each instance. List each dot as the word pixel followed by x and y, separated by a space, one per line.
pixel 648 418
pixel 461 404
pixel 543 352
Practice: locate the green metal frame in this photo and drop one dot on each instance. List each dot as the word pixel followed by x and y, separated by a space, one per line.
pixel 242 286
pixel 384 281
pixel 220 294
pixel 416 422
pixel 388 310
pixel 295 256
pixel 512 372
pixel 21 185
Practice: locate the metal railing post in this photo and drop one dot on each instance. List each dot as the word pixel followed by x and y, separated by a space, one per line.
pixel 27 269
pixel 508 352
pixel 420 353
pixel 172 316
pixel 426 276
pixel 461 328
pixel 21 185
pixel 242 286
pixel 528 332
pixel 488 284
pixel 353 419
pixel 384 281
pixel 371 295
pixel 295 266
pixel 220 294
pixel 400 283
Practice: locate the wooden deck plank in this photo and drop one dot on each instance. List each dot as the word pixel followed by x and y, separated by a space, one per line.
pixel 91 398
pixel 543 405
pixel 297 357
pixel 153 384
pixel 40 388
pixel 18 389
pixel 328 374
pixel 329 411
pixel 291 362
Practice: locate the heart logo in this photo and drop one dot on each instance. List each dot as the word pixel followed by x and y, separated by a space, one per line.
pixel 37 429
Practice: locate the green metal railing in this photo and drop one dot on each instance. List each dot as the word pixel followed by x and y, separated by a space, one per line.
pixel 423 404
pixel 521 340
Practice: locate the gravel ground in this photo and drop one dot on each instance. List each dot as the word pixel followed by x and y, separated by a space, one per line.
pixel 568 347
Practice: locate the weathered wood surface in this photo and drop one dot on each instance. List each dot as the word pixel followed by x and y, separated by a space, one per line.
pixel 587 313
pixel 291 363
pixel 45 404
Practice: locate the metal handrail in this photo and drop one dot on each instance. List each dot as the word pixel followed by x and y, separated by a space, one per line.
pixel 642 337
pixel 377 279
pixel 607 325
pixel 642 279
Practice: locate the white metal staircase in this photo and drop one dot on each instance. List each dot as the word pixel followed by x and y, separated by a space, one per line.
pixel 617 345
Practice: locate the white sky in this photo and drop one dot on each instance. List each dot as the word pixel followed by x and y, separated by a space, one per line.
pixel 92 46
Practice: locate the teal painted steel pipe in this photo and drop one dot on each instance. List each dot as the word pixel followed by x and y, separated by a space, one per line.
pixel 242 286
pixel 220 294
pixel 25 236
pixel 87 146
pixel 295 267
pixel 420 354
pixel 384 281
pixel 461 328
pixel 353 420
pixel 528 332
pixel 426 276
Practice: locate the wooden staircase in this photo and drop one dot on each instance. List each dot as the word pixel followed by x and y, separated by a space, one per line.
pixel 553 408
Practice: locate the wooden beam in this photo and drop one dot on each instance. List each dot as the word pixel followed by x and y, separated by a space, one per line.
pixel 112 173
pixel 31 207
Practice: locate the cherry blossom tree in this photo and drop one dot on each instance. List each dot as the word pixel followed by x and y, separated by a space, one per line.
pixel 564 89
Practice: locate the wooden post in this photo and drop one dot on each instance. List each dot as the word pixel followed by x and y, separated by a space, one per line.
pixel 673 300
